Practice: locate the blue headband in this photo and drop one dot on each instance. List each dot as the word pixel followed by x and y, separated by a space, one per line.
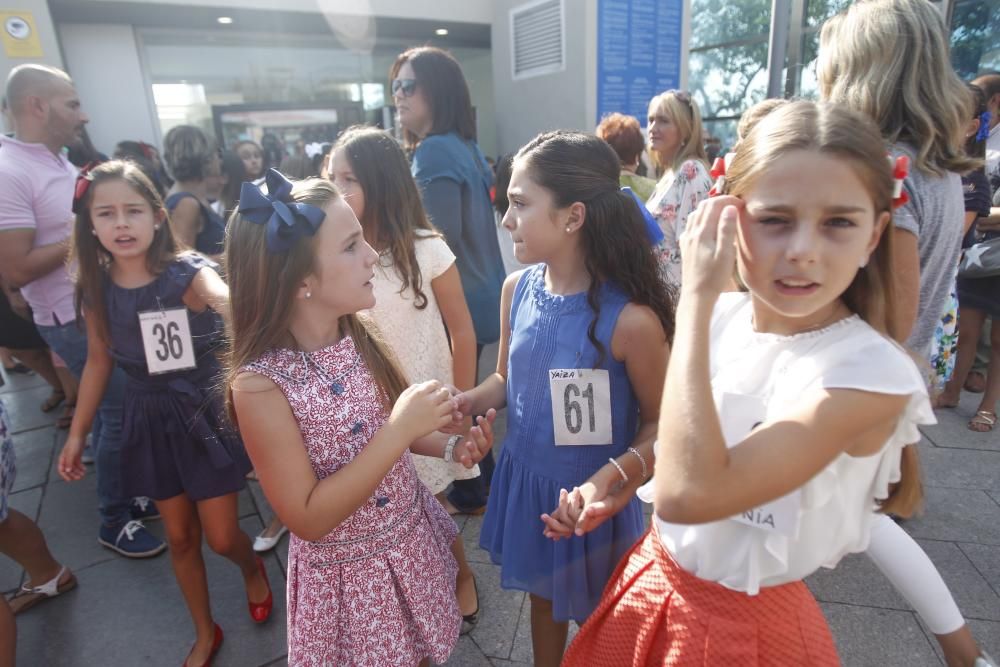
pixel 984 126
pixel 286 219
pixel 653 230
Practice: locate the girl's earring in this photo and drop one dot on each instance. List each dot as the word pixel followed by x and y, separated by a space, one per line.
pixel 863 263
pixel 568 230
pixel 309 294
pixel 93 231
pixel 156 228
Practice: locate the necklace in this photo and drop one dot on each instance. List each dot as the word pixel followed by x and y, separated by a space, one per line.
pixel 335 383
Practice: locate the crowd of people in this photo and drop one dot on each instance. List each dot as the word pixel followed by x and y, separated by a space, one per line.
pixel 207 316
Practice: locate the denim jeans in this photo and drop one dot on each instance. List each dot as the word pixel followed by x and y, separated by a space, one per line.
pixel 70 343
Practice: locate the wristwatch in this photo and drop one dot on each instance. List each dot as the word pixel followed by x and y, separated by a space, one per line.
pixel 449 448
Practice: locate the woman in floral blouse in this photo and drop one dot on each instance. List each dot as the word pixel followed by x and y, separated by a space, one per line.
pixel 676 143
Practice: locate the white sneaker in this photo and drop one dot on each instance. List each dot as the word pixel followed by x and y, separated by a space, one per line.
pixel 984 660
pixel 263 544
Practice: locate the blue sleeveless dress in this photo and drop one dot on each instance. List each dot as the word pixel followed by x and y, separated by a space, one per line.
pixel 212 237
pixel 175 437
pixel 548 332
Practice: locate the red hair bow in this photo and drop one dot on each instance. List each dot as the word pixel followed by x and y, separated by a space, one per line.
pixel 83 181
pixel 900 170
pixel 718 172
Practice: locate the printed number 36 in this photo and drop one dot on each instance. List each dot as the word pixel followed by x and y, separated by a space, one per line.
pixel 574 412
pixel 169 340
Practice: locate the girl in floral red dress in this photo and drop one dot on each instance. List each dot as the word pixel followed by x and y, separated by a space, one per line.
pixel 329 424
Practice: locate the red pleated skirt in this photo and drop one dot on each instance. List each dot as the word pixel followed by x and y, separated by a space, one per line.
pixel 653 612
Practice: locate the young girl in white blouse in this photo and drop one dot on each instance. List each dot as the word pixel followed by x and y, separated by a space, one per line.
pixel 786 412
pixel 419 308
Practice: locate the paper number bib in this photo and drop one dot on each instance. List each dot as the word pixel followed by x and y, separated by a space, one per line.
pixel 581 406
pixel 741 414
pixel 166 339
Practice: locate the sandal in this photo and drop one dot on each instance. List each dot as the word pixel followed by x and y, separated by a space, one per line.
pixel 983 418
pixel 27 597
pixel 469 621
pixel 52 402
pixel 66 419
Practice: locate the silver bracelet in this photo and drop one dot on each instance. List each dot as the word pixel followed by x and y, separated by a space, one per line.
pixel 645 470
pixel 449 448
pixel 621 471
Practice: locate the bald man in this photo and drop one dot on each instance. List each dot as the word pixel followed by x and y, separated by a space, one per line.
pixel 36 220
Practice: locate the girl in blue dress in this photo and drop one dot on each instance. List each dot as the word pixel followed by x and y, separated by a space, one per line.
pixel 156 312
pixel 583 352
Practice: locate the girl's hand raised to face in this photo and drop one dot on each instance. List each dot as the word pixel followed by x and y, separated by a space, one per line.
pixel 422 409
pixel 708 246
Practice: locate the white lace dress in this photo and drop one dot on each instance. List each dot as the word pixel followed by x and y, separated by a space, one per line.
pixel 418 338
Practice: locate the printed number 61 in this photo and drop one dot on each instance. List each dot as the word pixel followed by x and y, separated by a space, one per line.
pixel 574 413
pixel 169 340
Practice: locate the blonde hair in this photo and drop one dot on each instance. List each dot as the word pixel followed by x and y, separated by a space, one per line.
pixel 852 137
pixel 889 59
pixel 262 287
pixel 754 114
pixel 683 111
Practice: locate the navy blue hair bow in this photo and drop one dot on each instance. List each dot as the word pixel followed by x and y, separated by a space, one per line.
pixel 984 126
pixel 653 230
pixel 286 219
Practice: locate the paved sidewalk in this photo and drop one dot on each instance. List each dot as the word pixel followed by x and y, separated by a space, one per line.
pixel 130 613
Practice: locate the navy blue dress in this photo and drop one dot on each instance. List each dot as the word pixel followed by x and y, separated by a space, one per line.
pixel 211 238
pixel 174 433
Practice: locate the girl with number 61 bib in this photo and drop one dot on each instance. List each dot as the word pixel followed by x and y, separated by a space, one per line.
pixel 583 352
pixel 155 311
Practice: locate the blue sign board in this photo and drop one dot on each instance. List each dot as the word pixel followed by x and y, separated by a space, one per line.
pixel 638 53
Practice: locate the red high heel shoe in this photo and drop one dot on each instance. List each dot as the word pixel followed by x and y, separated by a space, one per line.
pixel 261 611
pixel 216 643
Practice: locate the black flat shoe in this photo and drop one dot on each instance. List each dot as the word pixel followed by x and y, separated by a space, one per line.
pixel 469 622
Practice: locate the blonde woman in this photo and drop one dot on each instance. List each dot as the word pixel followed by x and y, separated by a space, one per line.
pixel 676 144
pixel 889 60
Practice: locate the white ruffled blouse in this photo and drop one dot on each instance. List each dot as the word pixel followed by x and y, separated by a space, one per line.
pixel 759 377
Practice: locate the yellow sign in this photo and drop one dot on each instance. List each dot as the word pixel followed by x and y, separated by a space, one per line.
pixel 20 36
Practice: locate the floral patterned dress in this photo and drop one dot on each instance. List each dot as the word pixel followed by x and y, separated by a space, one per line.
pixel 676 196
pixel 380 588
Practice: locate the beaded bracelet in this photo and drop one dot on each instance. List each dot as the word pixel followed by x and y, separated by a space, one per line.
pixel 621 471
pixel 645 470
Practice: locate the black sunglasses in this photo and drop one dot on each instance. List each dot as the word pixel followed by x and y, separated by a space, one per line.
pixel 406 86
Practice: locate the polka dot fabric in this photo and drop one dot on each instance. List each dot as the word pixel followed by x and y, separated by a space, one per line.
pixel 653 613
pixel 380 589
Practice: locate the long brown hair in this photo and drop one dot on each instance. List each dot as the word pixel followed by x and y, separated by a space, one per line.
pixel 393 209
pixel 577 167
pixel 853 137
pixel 262 287
pixel 440 78
pixel 889 59
pixel 93 260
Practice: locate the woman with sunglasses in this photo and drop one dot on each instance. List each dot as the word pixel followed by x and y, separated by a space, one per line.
pixel 676 144
pixel 439 129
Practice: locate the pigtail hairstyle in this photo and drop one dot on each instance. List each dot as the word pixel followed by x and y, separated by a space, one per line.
pixel 393 209
pixel 837 131
pixel 262 287
pixel 92 260
pixel 577 167
pixel 889 60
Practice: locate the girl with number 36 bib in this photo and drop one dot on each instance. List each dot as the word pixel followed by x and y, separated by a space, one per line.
pixel 787 409
pixel 583 352
pixel 156 313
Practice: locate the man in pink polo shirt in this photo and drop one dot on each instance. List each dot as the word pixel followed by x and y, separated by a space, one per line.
pixel 36 220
